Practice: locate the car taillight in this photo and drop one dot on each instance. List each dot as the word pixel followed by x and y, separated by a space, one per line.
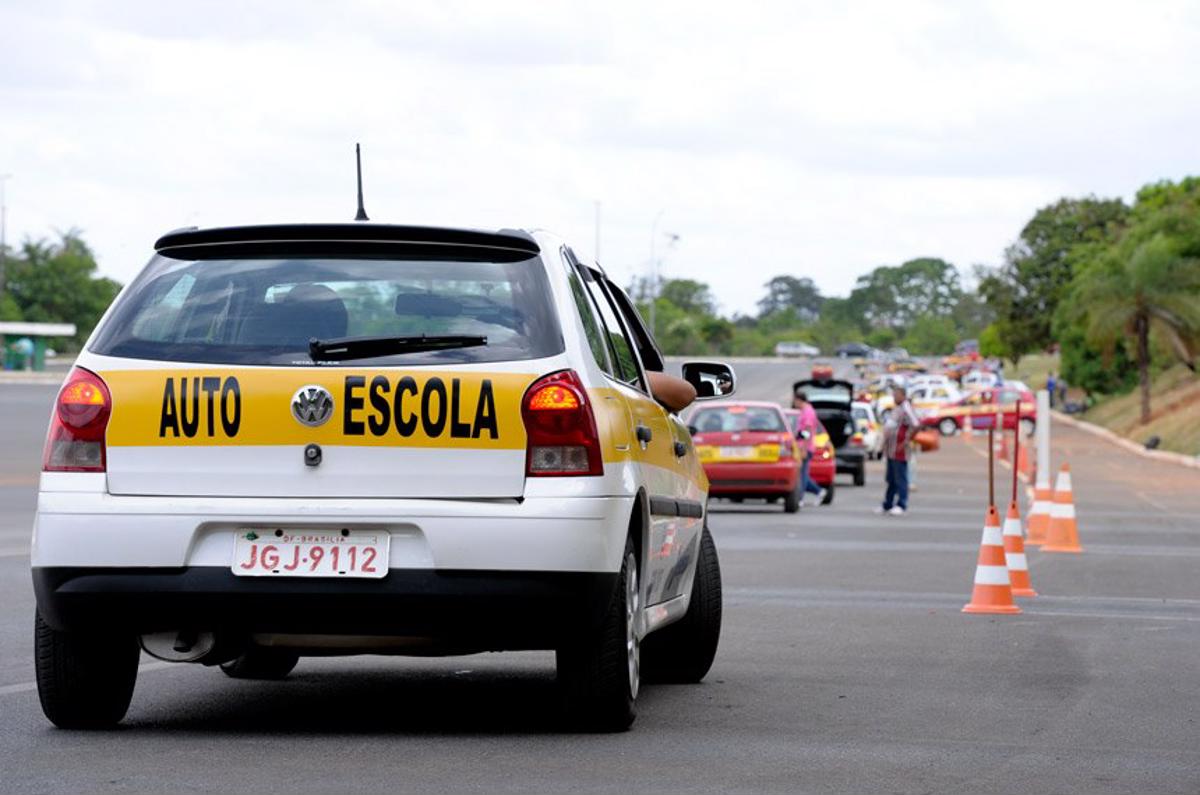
pixel 561 429
pixel 857 439
pixel 75 441
pixel 826 454
pixel 785 448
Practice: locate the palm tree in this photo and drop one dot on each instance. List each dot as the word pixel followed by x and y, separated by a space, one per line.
pixel 1152 288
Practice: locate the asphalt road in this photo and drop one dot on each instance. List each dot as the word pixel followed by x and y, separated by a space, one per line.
pixel 845 664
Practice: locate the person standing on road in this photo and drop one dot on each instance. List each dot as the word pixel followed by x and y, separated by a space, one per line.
pixel 806 434
pixel 901 424
pixel 1050 384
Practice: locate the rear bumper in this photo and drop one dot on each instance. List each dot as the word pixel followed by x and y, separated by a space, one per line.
pixel 851 460
pixel 822 472
pixel 747 479
pixel 472 610
pixel 551 534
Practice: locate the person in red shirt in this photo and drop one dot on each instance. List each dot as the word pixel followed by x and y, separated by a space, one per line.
pixel 898 431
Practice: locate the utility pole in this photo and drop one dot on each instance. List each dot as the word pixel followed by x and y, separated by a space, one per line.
pixel 654 272
pixel 3 225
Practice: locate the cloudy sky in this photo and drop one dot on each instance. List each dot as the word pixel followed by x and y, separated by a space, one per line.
pixel 818 139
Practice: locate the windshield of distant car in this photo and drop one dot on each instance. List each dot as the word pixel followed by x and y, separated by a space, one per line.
pixel 265 311
pixel 735 419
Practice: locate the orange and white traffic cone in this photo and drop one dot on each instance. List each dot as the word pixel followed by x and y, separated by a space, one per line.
pixel 1063 535
pixel 1023 466
pixel 1014 553
pixel 993 590
pixel 1038 526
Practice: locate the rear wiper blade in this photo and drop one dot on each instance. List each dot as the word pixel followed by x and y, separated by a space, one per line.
pixel 341 349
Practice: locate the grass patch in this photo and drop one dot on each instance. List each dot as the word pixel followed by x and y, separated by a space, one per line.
pixel 1175 412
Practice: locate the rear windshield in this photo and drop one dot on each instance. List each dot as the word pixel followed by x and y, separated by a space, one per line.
pixel 730 419
pixel 265 311
pixel 831 393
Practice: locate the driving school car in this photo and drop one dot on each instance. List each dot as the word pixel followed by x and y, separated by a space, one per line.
pixel 747 450
pixel 337 439
pixel 979 408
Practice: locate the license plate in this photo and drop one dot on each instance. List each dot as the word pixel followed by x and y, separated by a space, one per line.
pixel 310 553
pixel 737 452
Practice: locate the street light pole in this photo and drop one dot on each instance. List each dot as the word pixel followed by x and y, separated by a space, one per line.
pixel 3 224
pixel 654 273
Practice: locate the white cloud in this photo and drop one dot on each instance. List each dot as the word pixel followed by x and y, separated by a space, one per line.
pixel 786 137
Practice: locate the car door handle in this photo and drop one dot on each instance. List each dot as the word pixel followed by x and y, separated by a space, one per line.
pixel 644 434
pixel 680 449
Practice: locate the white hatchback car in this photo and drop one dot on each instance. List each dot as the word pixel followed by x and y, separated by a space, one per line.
pixel 360 438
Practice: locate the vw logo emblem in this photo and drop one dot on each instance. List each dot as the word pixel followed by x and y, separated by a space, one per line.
pixel 312 405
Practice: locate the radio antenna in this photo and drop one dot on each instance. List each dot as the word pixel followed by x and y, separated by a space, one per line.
pixel 362 214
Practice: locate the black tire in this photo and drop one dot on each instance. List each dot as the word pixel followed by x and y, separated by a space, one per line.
pixel 600 673
pixel 261 663
pixel 860 475
pixel 828 494
pixel 85 681
pixel 948 426
pixel 791 501
pixel 683 652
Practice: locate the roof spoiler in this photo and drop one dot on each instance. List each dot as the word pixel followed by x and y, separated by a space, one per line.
pixel 341 239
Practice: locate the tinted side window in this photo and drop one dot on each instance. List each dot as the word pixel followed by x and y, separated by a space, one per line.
pixel 624 361
pixel 591 326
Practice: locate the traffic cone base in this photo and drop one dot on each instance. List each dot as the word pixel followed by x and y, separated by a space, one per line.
pixel 993 590
pixel 1014 554
pixel 1063 535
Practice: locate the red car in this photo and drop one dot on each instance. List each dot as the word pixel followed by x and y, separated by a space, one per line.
pixel 979 408
pixel 747 450
pixel 823 468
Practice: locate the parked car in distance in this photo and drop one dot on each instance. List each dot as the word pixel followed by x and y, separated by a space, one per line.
pixel 928 398
pixel 867 424
pixel 747 450
pixel 980 379
pixel 979 408
pixel 796 349
pixel 852 349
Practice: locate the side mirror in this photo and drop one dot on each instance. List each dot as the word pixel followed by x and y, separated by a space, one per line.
pixel 711 379
pixel 693 430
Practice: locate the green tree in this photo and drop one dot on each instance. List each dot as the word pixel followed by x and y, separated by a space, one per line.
pixel 930 335
pixel 798 294
pixel 688 295
pixel 57 282
pixel 1025 291
pixel 894 297
pixel 1144 286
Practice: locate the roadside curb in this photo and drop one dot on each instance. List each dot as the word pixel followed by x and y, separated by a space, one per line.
pixel 1130 445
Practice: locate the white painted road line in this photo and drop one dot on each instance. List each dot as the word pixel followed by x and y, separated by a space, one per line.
pixel 26 687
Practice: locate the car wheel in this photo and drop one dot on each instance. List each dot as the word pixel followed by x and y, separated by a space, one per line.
pixel 85 681
pixel 948 427
pixel 828 494
pixel 261 663
pixel 684 651
pixel 860 475
pixel 1028 426
pixel 600 672
pixel 791 501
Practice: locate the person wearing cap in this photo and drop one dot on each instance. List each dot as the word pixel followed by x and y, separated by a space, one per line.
pixel 898 431
pixel 806 434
